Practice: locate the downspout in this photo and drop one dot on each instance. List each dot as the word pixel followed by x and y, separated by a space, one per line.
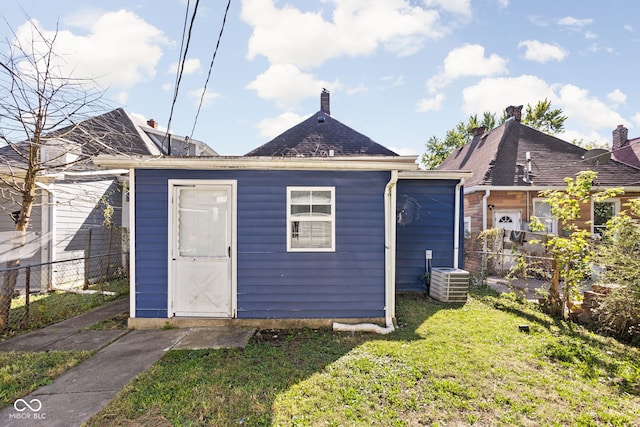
pixel 390 265
pixel 456 225
pixel 53 220
pixel 487 193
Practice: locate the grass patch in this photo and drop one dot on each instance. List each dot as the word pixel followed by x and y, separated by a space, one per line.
pixel 458 364
pixel 47 309
pixel 23 372
pixel 118 322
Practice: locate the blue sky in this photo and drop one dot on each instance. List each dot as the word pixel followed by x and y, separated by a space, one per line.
pixel 399 71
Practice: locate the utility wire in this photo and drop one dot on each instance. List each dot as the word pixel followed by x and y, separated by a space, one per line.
pixel 213 58
pixel 182 60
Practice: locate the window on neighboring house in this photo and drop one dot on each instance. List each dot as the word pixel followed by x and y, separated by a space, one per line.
pixel 542 211
pixel 311 219
pixel 603 212
pixel 467 227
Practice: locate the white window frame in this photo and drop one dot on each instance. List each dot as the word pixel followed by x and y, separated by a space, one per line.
pixel 311 218
pixel 616 211
pixel 554 224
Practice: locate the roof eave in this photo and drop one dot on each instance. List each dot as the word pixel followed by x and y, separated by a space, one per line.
pixel 401 163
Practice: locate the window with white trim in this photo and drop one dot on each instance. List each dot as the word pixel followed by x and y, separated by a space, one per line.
pixel 311 219
pixel 542 211
pixel 603 212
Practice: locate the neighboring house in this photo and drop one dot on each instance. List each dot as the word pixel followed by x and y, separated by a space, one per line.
pixel 303 237
pixel 73 194
pixel 623 149
pixel 513 162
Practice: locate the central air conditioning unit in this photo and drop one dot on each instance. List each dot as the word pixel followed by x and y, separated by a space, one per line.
pixel 449 284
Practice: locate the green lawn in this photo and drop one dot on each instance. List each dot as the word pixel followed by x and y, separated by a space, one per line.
pixel 47 309
pixel 445 365
pixel 22 372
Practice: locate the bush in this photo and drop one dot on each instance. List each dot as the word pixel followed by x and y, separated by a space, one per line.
pixel 619 252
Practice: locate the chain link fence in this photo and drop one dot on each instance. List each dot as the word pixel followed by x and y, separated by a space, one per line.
pixel 94 276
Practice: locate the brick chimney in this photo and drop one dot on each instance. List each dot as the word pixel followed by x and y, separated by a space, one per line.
pixel 478 131
pixel 620 135
pixel 515 112
pixel 324 102
pixel 152 123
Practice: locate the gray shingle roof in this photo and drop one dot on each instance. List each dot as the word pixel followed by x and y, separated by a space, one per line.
pixel 498 158
pixel 317 136
pixel 110 133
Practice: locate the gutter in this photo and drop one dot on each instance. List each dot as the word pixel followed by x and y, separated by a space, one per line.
pixel 390 266
pixel 456 225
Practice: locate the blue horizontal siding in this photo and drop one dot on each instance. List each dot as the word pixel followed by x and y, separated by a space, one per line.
pixel 274 283
pixel 430 206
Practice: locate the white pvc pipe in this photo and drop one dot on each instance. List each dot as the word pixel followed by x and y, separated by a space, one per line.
pixel 364 327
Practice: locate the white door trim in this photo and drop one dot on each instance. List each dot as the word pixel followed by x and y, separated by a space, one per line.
pixel 509 212
pixel 171 237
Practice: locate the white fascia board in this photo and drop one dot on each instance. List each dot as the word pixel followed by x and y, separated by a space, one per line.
pixel 402 163
pixel 435 174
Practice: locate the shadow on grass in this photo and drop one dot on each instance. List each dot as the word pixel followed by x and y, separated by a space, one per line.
pixel 574 344
pixel 241 386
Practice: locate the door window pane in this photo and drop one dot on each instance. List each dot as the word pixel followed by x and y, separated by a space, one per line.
pixel 202 222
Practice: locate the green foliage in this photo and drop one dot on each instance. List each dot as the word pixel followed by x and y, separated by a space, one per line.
pixel 439 149
pixel 572 251
pixel 543 118
pixel 619 253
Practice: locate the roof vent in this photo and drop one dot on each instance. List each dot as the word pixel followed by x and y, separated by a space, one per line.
pixel 320 119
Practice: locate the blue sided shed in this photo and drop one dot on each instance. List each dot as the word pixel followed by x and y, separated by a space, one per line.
pixel 284 242
pixel 319 225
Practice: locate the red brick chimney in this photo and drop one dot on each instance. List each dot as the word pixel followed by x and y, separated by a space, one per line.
pixel 324 102
pixel 152 123
pixel 515 112
pixel 620 135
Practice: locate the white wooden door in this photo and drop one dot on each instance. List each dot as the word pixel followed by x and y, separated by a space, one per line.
pixel 201 250
pixel 507 219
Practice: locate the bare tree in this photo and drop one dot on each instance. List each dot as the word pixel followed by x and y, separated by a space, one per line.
pixel 40 107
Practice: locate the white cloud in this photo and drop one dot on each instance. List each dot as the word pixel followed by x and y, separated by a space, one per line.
pixel 122 97
pixel 360 88
pixel 393 81
pixel 617 97
pixel 542 52
pixel 468 60
pixel 635 119
pixel 460 7
pixel 287 85
pixel 288 35
pixel 570 21
pixel 495 94
pixel 590 35
pixel 120 50
pixel 272 127
pixel 431 104
pixel 191 66
pixel 578 105
pixel 503 3
pixel 208 98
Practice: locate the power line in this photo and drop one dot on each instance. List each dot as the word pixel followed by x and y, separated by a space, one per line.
pixel 213 58
pixel 182 59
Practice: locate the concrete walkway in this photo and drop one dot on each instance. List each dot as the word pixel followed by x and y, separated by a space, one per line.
pixel 84 390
